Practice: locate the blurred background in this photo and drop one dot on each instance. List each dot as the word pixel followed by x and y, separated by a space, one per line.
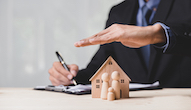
pixel 32 30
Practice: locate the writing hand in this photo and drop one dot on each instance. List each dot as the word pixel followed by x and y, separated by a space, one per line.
pixel 60 76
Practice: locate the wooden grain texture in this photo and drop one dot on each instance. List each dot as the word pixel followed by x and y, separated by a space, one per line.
pixel 29 99
pixel 105 86
pixel 109 66
pixel 110 95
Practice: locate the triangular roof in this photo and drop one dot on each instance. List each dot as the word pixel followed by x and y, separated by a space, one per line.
pixel 108 59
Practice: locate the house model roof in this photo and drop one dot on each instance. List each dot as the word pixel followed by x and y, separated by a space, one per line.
pixel 110 59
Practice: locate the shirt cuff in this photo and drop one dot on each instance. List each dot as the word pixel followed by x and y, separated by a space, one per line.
pixel 169 36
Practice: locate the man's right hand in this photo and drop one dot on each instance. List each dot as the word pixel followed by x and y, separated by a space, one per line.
pixel 60 76
pixel 128 35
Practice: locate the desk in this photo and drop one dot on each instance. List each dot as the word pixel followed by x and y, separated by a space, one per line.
pixel 29 99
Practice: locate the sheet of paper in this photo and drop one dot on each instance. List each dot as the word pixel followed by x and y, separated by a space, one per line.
pixel 133 86
pixel 86 89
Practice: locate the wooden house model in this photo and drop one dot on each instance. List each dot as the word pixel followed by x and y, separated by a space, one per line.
pixel 109 66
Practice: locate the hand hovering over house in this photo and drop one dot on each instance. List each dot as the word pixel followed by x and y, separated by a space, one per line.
pixel 60 76
pixel 128 35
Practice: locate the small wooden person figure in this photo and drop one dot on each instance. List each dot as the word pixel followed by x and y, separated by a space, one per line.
pixel 115 84
pixel 110 95
pixel 105 86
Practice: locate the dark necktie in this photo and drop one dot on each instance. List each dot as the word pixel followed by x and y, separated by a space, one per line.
pixel 146 13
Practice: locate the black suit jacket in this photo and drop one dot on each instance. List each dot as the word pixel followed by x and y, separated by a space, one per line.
pixel 172 68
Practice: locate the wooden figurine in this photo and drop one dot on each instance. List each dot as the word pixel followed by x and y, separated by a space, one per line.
pixel 110 95
pixel 105 85
pixel 115 84
pixel 109 66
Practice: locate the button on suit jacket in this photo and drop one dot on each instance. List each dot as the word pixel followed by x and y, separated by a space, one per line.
pixel 171 68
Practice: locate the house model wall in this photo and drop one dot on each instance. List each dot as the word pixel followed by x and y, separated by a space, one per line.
pixel 110 66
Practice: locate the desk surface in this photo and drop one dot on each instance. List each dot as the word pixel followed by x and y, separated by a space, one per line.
pixel 29 99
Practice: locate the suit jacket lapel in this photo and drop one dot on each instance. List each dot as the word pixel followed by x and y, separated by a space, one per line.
pixel 130 12
pixel 162 11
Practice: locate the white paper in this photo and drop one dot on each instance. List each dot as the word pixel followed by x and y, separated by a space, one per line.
pixel 137 85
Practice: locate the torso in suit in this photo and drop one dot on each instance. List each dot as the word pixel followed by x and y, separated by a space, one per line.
pixel 172 68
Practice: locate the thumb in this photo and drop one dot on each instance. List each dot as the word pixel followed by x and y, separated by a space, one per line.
pixel 73 69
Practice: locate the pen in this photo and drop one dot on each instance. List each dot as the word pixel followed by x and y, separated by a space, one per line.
pixel 64 65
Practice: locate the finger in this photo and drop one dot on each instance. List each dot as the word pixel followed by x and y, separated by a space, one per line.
pixel 58 66
pixel 60 77
pixel 56 82
pixel 73 69
pixel 105 38
pixel 108 35
pixel 60 69
pixel 105 31
pixel 86 42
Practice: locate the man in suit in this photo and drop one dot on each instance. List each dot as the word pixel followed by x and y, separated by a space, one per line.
pixel 167 38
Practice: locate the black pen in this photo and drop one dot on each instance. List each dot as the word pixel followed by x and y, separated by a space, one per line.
pixel 64 65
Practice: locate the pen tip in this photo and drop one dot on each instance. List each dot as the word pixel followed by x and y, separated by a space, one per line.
pixel 75 83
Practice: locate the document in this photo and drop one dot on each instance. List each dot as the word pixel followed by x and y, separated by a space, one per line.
pixel 86 89
pixel 138 86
